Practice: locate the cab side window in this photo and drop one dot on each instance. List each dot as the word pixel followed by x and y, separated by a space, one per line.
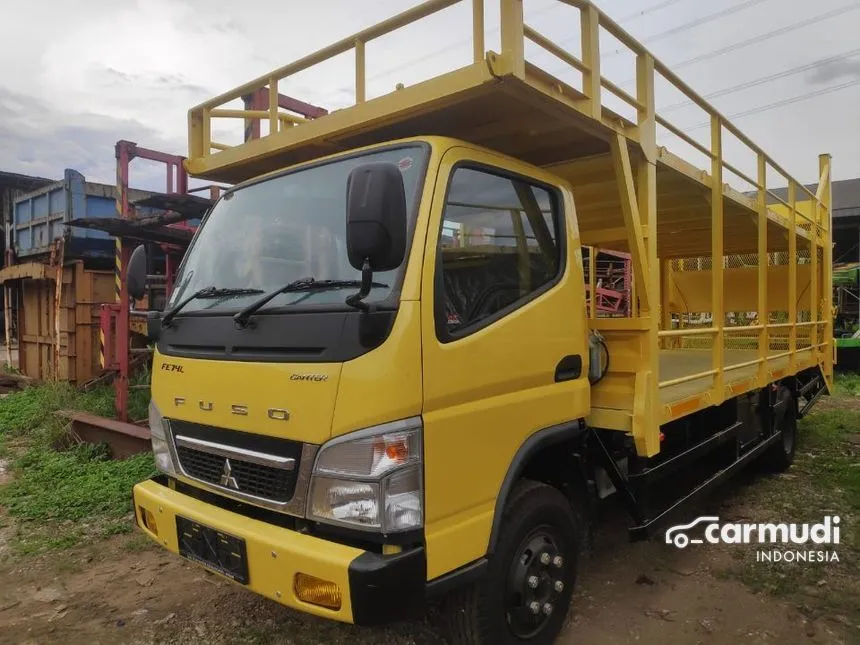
pixel 499 248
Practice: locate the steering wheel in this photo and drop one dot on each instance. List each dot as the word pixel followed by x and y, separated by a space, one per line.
pixel 487 301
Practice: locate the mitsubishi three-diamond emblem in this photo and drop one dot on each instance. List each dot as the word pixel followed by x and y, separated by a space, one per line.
pixel 227 478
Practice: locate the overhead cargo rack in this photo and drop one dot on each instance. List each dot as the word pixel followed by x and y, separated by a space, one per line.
pixel 701 330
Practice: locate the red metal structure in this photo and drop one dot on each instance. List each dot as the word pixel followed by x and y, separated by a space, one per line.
pixel 176 183
pixel 171 231
pixel 119 322
pixel 612 282
pixel 259 100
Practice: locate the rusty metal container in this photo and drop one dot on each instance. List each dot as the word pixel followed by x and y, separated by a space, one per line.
pixel 41 217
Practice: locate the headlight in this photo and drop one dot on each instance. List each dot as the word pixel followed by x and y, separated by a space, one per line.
pixel 160 448
pixel 371 479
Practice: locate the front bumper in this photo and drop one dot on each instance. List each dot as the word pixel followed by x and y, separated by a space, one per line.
pixel 376 589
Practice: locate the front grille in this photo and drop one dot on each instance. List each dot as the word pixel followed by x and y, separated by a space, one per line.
pixel 260 481
pixel 266 482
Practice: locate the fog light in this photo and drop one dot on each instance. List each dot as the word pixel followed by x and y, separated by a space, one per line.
pixel 317 592
pixel 148 520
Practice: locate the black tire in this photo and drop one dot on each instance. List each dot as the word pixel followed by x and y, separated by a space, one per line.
pixel 538 519
pixel 779 457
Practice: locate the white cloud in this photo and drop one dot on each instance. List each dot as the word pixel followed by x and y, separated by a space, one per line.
pixel 80 75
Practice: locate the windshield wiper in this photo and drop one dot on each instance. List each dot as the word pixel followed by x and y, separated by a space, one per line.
pixel 206 292
pixel 303 284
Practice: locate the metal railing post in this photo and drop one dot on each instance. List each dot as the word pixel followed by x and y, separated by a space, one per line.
pixel 590 26
pixel 513 35
pixel 360 89
pixel 814 243
pixel 478 48
pixel 763 313
pixel 823 206
pixel 717 300
pixel 273 105
pixel 792 278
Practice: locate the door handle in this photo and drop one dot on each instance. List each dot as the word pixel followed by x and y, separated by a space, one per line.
pixel 568 368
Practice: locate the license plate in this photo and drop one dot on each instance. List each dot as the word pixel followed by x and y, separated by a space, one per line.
pixel 219 551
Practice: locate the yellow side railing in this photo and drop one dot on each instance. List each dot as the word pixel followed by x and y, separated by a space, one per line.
pixel 200 117
pixel 814 223
pixel 514 32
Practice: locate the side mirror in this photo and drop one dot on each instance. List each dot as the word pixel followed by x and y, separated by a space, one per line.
pixel 376 217
pixel 153 325
pixel 135 273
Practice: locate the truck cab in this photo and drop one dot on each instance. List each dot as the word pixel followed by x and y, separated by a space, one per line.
pixel 378 436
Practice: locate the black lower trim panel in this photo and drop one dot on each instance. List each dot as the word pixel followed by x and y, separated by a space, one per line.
pixel 646 529
pixel 387 588
pixel 457 578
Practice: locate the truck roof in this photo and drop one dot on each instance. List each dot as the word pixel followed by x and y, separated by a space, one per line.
pixel 506 103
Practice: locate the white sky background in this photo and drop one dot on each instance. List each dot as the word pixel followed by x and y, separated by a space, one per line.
pixel 77 76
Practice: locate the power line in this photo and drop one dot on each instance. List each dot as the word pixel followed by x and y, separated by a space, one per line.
pixel 795 99
pixel 647 10
pixel 626 19
pixel 437 52
pixel 687 25
pixel 676 66
pixel 703 20
pixel 768 35
pixel 777 104
pixel 697 22
pixel 764 79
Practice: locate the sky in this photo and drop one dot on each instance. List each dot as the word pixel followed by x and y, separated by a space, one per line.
pixel 78 76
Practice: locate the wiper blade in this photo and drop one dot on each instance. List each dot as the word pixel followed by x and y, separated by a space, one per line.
pixel 206 292
pixel 303 284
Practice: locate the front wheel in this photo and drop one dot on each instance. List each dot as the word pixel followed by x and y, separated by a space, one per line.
pixel 525 595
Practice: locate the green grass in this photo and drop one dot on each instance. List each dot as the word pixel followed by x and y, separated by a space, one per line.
pixel 61 498
pixel 848 385
pixel 33 409
pixel 824 480
pixel 76 484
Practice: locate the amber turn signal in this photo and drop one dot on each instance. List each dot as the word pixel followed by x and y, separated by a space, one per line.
pixel 315 591
pixel 148 520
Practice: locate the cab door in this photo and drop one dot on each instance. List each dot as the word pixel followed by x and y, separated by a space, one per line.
pixel 504 337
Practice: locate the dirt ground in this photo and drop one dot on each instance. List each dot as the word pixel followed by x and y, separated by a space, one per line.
pixel 124 591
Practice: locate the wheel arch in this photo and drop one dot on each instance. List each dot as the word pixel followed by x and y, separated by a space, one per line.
pixel 540 458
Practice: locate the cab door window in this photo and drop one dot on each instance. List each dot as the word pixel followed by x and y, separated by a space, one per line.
pixel 500 246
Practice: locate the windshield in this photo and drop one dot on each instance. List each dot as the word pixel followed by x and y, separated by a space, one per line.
pixel 287 228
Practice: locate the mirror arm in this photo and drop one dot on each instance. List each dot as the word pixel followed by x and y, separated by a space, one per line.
pixel 357 299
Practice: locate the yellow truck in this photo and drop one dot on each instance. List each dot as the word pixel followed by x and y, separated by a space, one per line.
pixel 379 380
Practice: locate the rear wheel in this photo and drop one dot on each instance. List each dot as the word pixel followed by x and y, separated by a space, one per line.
pixel 779 457
pixel 526 593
